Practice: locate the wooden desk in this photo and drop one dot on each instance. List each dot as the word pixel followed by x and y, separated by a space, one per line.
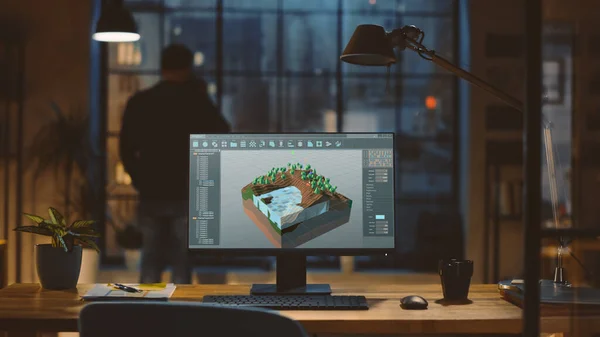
pixel 26 308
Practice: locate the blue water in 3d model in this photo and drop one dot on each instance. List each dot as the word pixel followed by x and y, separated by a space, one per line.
pixel 284 210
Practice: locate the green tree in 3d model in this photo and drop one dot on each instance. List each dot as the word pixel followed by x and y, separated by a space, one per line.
pixel 317 191
pixel 282 176
pixel 308 167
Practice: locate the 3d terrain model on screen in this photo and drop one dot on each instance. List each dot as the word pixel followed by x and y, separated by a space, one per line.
pixel 293 205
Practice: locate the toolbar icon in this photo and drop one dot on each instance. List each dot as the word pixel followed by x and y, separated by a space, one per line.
pixel 281 143
pixel 204 144
pixel 290 143
pixel 252 143
pixel 224 143
pixel 262 143
pixel 195 144
pixel 328 144
pixel 233 144
pixel 243 143
pixel 338 143
pixel 300 143
pixel 271 143
pixel 215 143
pixel 319 143
pixel 309 143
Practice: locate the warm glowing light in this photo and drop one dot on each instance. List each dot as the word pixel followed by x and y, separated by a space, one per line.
pixel 198 58
pixel 372 2
pixel 116 37
pixel 430 102
pixel 212 89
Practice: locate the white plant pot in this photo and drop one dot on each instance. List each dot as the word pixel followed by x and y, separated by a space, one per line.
pixel 90 260
pixel 132 259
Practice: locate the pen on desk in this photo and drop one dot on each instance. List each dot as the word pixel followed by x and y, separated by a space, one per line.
pixel 126 288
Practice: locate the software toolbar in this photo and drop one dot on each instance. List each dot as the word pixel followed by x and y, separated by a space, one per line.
pixel 290 142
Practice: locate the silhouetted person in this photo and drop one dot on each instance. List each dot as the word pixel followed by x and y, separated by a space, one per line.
pixel 154 149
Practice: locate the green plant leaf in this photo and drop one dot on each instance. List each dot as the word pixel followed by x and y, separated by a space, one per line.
pixel 35 218
pixel 89 232
pixel 82 224
pixel 62 243
pixel 56 217
pixel 56 229
pixel 35 230
pixel 86 242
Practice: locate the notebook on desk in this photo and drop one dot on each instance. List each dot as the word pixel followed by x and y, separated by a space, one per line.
pixel 108 292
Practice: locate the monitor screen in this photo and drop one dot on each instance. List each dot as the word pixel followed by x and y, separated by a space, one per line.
pixel 291 191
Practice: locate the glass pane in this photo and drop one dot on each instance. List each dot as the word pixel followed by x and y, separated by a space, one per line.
pixel 198 32
pixel 307 103
pixel 121 196
pixel 122 212
pixel 400 6
pixel 365 6
pixel 368 105
pixel 249 104
pixel 143 2
pixel 120 89
pixel 427 107
pixel 249 4
pixel 249 42
pixel 425 169
pixel 181 4
pixel 310 5
pixel 310 43
pixel 142 54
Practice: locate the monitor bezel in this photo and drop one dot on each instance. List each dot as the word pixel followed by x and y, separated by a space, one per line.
pixel 299 251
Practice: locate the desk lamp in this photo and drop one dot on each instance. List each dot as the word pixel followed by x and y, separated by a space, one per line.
pixel 371 45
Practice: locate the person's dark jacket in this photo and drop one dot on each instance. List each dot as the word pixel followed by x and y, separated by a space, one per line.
pixel 154 141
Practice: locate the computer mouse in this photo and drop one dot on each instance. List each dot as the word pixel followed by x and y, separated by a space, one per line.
pixel 413 302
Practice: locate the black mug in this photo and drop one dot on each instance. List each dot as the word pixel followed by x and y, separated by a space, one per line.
pixel 456 278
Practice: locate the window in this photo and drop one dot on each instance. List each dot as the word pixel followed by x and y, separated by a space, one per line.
pixel 280 72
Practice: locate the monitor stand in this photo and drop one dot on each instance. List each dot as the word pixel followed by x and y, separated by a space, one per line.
pixel 291 279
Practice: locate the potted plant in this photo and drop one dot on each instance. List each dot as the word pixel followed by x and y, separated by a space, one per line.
pixel 130 239
pixel 58 264
pixel 63 147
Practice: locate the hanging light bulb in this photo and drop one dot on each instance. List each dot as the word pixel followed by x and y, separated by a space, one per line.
pixel 116 24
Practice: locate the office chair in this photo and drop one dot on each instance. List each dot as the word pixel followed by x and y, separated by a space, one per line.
pixel 181 319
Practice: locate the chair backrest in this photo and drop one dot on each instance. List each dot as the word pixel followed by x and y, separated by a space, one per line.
pixel 181 319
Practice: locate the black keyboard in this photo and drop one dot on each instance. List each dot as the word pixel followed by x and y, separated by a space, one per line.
pixel 285 302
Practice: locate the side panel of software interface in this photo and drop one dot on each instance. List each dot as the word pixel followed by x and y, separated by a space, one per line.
pixel 305 191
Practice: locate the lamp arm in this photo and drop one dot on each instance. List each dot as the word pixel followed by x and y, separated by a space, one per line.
pixel 406 38
pixel 473 79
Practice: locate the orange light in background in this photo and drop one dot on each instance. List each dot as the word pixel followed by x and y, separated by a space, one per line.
pixel 372 2
pixel 430 102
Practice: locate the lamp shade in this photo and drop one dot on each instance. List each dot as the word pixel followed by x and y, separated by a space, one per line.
pixel 369 46
pixel 116 24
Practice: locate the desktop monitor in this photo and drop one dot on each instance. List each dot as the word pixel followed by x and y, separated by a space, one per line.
pixel 292 195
